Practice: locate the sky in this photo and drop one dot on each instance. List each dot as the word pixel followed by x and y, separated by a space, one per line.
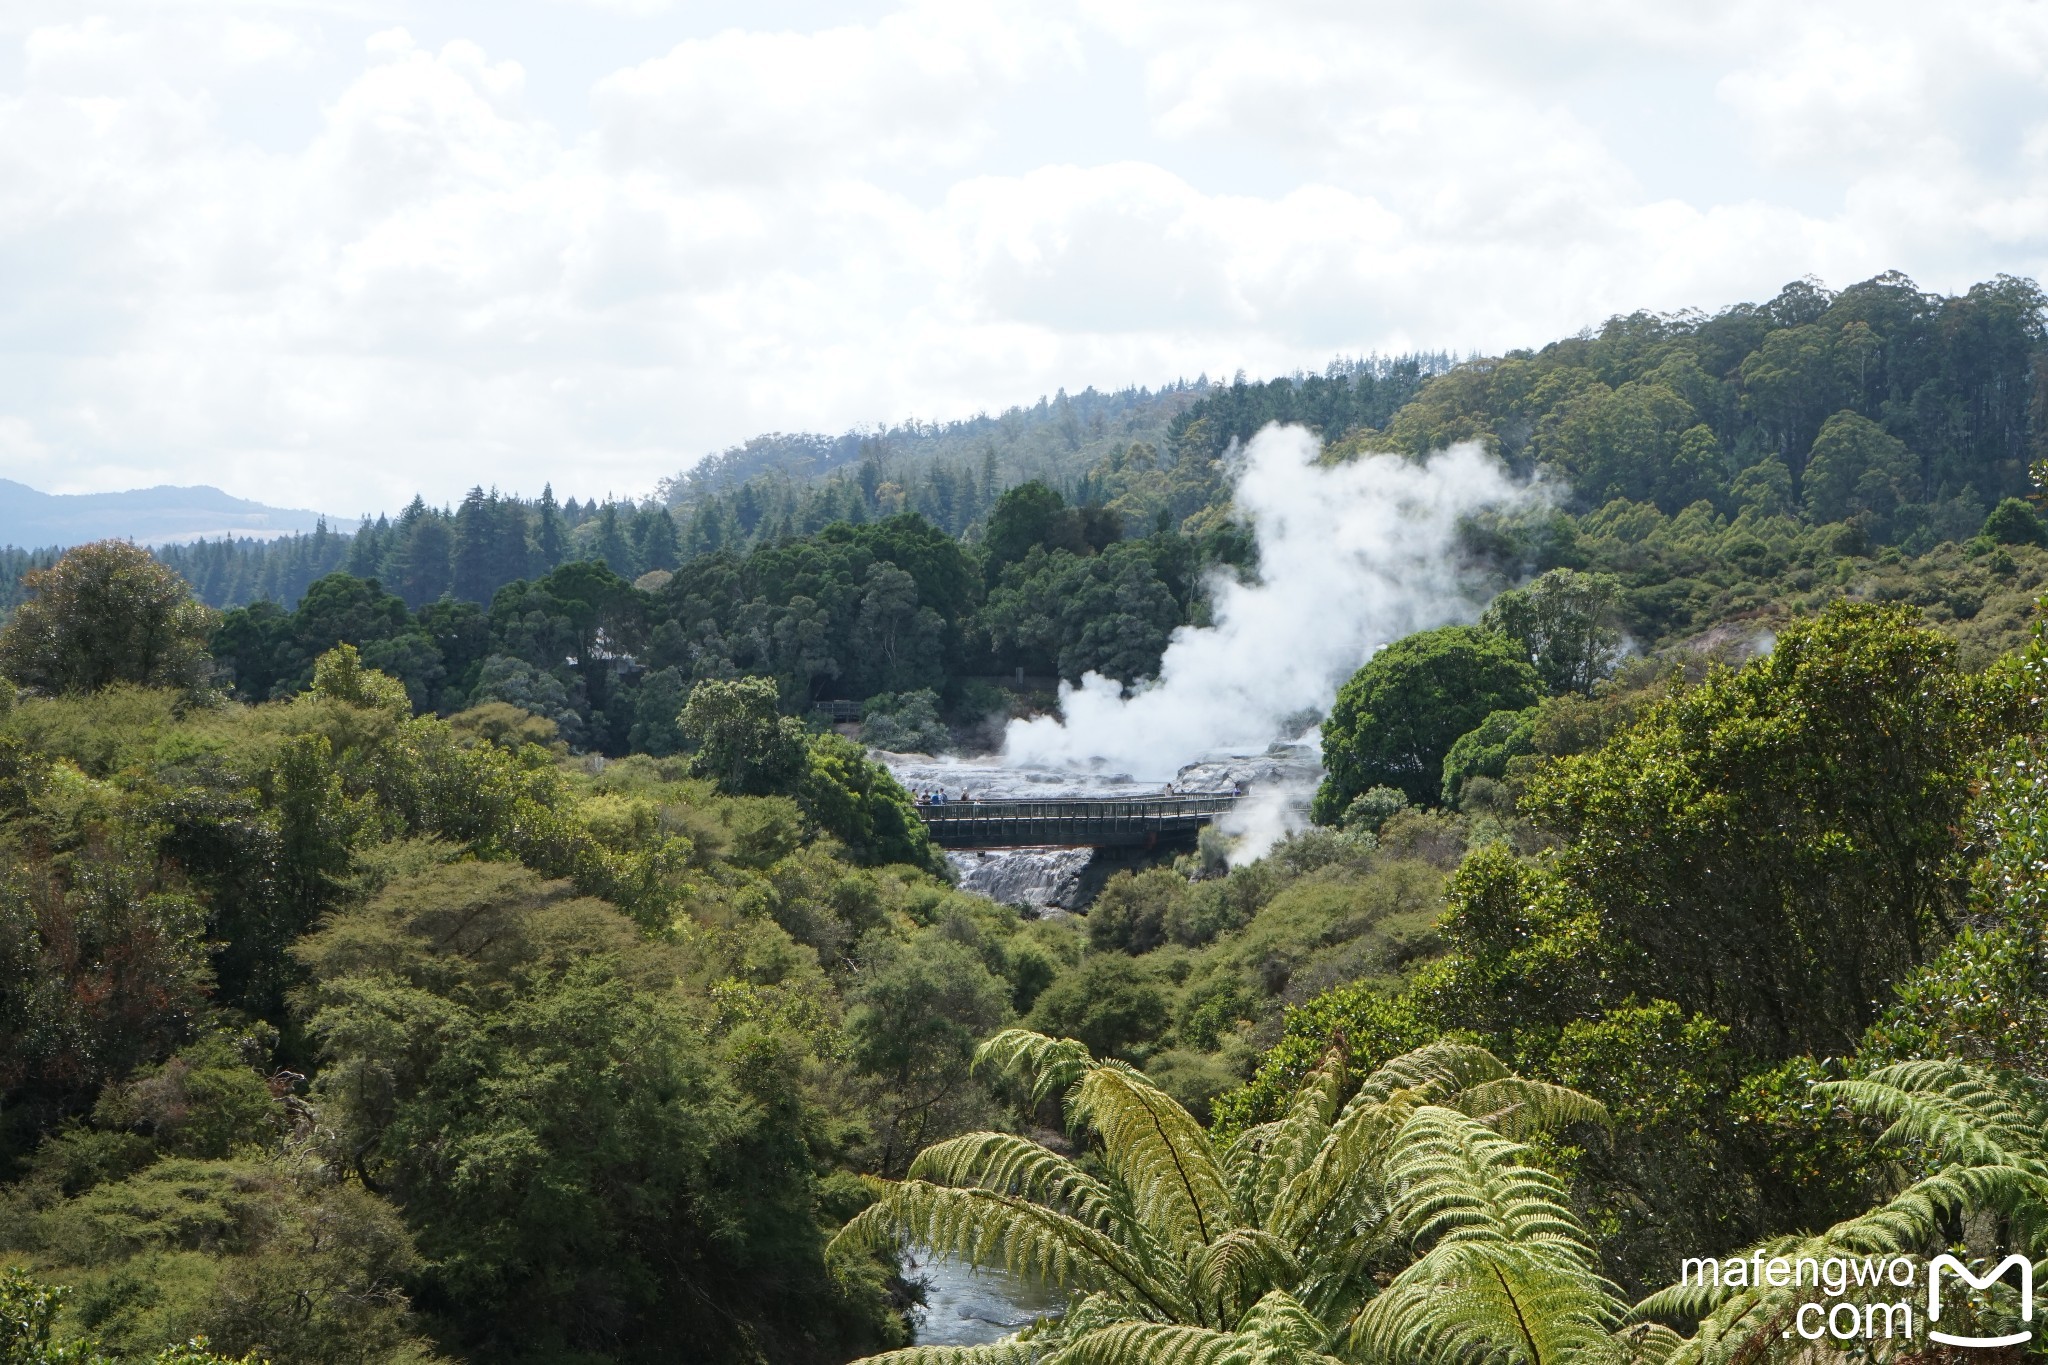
pixel 330 253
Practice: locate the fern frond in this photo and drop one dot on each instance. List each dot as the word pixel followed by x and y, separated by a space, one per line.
pixel 1730 1319
pixel 1008 1164
pixel 1458 1180
pixel 1970 1115
pixel 1046 1066
pixel 1300 1135
pixel 1433 1072
pixel 1008 1351
pixel 1151 1343
pixel 1244 1166
pixel 1258 1166
pixel 1275 1331
pixel 1279 1322
pixel 1491 1302
pixel 1346 1182
pixel 991 1229
pixel 1159 1153
pixel 1648 1343
pixel 1241 1266
pixel 1515 1108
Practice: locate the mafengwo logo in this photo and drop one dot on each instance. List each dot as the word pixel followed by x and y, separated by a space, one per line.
pixel 1854 1284
pixel 1962 1272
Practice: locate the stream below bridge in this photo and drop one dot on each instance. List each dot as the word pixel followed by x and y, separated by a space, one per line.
pixel 1276 784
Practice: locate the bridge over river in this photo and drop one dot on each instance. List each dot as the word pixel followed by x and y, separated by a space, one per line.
pixel 1074 822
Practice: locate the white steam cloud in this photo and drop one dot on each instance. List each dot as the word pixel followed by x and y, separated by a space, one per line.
pixel 1269 813
pixel 1351 557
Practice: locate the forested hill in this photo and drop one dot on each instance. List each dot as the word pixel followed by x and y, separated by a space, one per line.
pixel 1906 414
pixel 495 957
pixel 1754 462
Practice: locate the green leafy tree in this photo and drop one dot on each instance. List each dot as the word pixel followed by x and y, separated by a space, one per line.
pixel 1771 848
pixel 1637 441
pixel 1177 1247
pixel 1028 515
pixel 913 1017
pixel 897 642
pixel 107 613
pixel 657 702
pixel 1565 622
pixel 1113 1005
pixel 2014 522
pixel 287 1266
pixel 743 742
pixel 1485 752
pixel 1857 467
pixel 1791 382
pixel 1398 716
pixel 339 674
pixel 1765 488
pixel 564 1126
pixel 862 805
pixel 905 723
pixel 1111 613
pixel 28 1316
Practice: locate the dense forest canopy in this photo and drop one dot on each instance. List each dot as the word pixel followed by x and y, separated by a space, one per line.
pixel 467 940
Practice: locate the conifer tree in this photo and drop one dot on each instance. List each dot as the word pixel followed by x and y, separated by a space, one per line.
pixel 551 536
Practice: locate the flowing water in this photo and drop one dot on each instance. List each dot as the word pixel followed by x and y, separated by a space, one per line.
pixel 1276 783
pixel 964 1306
pixel 1046 879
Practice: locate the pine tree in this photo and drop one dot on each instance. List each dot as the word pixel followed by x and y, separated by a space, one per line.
pixel 471 567
pixel 423 574
pixel 511 552
pixel 655 545
pixel 870 478
pixel 366 550
pixel 611 545
pixel 552 536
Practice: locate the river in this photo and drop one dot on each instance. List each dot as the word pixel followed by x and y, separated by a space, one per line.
pixel 964 1306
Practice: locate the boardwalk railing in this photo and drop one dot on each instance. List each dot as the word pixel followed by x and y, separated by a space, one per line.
pixel 1099 822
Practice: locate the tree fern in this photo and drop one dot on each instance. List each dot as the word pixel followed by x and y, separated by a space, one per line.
pixel 1009 1351
pixel 1468 1301
pixel 1461 1181
pixel 1506 1273
pixel 1183 1255
pixel 1986 1134
pixel 1274 1331
pixel 1970 1115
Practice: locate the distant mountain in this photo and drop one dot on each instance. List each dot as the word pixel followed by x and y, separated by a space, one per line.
pixel 149 516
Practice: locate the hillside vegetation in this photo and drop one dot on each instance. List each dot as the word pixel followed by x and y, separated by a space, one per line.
pixel 510 965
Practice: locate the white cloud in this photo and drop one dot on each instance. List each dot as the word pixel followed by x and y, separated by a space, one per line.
pixel 925 210
pixel 911 89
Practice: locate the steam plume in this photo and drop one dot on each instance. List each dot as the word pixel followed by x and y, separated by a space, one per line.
pixel 1350 558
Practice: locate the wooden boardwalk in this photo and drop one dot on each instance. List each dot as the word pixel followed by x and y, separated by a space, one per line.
pixel 1093 822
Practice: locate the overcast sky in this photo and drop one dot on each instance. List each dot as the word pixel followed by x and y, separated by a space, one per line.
pixel 328 254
